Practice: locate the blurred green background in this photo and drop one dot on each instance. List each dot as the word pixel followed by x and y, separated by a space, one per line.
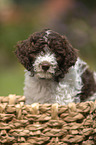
pixel 19 18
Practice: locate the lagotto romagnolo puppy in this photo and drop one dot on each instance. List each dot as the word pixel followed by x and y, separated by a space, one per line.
pixel 54 72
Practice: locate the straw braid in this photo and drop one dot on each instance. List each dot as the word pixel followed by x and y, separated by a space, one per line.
pixel 46 124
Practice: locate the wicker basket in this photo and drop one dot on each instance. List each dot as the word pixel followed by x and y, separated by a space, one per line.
pixel 46 124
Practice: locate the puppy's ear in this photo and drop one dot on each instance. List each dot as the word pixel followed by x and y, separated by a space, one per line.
pixel 66 58
pixel 23 53
pixel 70 53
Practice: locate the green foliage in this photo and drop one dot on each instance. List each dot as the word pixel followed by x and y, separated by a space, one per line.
pixel 10 35
pixel 80 30
pixel 11 75
pixel 11 81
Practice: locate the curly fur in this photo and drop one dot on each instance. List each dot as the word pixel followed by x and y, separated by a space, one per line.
pixel 66 55
pixel 66 79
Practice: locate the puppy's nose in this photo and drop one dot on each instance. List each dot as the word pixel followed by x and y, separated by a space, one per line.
pixel 45 66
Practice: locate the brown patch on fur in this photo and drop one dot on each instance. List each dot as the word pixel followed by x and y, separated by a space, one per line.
pixel 66 57
pixel 28 49
pixel 89 85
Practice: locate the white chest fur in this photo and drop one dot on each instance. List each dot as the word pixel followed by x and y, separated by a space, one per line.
pixel 39 90
pixel 48 91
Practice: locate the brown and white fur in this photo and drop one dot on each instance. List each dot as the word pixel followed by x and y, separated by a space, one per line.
pixel 54 72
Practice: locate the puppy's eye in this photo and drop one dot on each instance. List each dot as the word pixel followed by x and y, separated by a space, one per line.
pixel 42 53
pixel 46 49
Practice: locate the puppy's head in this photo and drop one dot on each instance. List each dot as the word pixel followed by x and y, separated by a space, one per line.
pixel 46 54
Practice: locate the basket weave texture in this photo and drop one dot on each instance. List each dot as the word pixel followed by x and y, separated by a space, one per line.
pixel 46 124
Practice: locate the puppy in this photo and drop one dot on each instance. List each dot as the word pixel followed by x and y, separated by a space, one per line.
pixel 54 72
